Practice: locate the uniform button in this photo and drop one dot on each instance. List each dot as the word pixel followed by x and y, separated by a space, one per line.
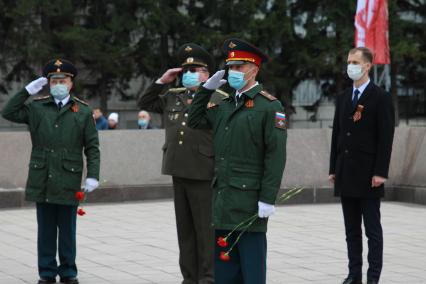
pixel 184 123
pixel 56 125
pixel 244 186
pixel 186 115
pixel 348 134
pixel 226 128
pixel 72 169
pixel 52 150
pixel 50 176
pixel 181 133
pixel 35 166
pixel 346 151
pixel 180 142
pixel 222 158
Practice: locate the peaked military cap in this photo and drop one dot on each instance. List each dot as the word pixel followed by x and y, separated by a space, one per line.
pixel 191 54
pixel 239 52
pixel 59 68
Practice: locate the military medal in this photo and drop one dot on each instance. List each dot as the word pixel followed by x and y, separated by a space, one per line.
pixel 74 107
pixel 249 104
pixel 280 120
pixel 358 112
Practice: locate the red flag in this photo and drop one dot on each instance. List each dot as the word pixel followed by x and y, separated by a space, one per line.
pixel 372 29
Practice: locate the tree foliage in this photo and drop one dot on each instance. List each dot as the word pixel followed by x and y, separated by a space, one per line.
pixel 113 41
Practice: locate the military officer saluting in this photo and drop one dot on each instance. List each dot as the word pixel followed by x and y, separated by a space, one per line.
pixel 188 158
pixel 61 127
pixel 249 143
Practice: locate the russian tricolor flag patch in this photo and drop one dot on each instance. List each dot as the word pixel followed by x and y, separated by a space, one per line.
pixel 280 120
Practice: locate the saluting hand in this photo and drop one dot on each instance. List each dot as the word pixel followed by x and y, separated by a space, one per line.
pixel 35 86
pixel 169 76
pixel 215 81
pixel 377 181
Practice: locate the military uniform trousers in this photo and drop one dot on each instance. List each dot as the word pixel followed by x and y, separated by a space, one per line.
pixel 56 225
pixel 354 211
pixel 247 264
pixel 193 209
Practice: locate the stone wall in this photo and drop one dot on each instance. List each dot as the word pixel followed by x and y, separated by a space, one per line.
pixel 131 161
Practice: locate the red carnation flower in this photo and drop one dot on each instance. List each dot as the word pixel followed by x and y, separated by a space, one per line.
pixel 81 212
pixel 79 195
pixel 224 256
pixel 221 241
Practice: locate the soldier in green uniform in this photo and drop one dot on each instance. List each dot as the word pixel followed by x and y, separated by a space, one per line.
pixel 188 158
pixel 249 147
pixel 61 127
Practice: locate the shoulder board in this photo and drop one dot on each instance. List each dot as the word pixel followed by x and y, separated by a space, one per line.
pixel 177 90
pixel 225 94
pixel 268 95
pixel 41 98
pixel 81 101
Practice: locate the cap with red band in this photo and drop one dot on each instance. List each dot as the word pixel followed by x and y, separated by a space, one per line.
pixel 240 52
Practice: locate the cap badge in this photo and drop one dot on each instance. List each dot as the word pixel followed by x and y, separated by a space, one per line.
pixel 232 45
pixel 188 49
pixel 58 70
pixel 58 63
pixel 190 59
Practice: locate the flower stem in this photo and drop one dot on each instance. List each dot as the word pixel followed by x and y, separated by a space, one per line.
pixel 241 233
pixel 241 224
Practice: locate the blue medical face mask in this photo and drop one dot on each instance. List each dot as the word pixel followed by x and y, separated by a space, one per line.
pixel 142 123
pixel 59 91
pixel 236 79
pixel 191 79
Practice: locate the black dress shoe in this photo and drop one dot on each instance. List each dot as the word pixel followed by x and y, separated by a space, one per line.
pixel 351 280
pixel 46 281
pixel 372 282
pixel 67 280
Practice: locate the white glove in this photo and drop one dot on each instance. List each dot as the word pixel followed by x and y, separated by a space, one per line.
pixel 35 86
pixel 265 210
pixel 90 185
pixel 215 81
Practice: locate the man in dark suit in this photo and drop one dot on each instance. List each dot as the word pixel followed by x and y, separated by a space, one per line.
pixel 361 149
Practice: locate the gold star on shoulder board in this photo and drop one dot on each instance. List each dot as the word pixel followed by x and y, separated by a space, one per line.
pixel 58 63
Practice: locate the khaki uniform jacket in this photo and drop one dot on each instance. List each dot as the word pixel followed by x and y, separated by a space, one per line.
pixel 187 153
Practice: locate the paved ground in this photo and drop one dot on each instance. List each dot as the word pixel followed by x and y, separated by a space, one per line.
pixel 136 243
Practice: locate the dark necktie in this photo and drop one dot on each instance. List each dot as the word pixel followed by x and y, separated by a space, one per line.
pixel 60 105
pixel 355 98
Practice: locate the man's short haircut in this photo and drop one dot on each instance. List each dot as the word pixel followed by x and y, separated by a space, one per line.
pixel 367 54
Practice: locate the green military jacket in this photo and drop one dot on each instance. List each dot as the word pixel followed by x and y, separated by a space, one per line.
pixel 250 153
pixel 187 153
pixel 58 138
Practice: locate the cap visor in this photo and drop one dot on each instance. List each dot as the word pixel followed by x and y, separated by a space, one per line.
pixel 235 62
pixel 58 76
